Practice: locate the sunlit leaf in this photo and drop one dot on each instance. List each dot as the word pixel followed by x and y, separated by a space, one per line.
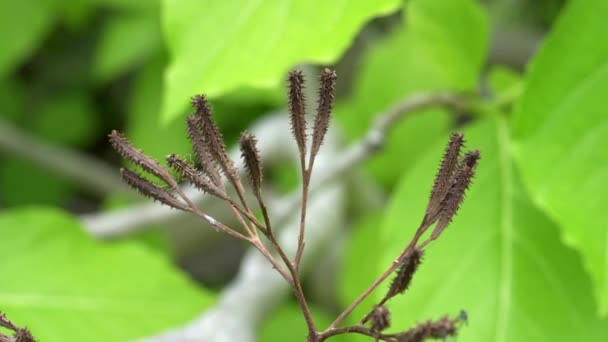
pixel 501 259
pixel 561 133
pixel 66 287
pixel 442 46
pixel 218 46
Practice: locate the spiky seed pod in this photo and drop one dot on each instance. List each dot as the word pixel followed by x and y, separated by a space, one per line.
pixel 443 328
pixel 214 139
pixel 380 318
pixel 444 175
pixel 208 165
pixel 148 189
pixel 127 151
pixel 439 329
pixel 460 182
pixel 404 275
pixel 5 322
pixel 24 335
pixel 196 178
pixel 297 108
pixel 253 164
pixel 327 94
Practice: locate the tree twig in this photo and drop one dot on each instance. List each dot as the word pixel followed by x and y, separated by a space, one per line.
pixel 91 174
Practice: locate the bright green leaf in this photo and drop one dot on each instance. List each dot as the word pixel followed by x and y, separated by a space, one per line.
pixel 66 287
pixel 360 267
pixel 126 40
pixel 501 79
pixel 144 127
pixel 501 259
pixel 131 5
pixel 23 24
pixel 442 47
pixel 219 46
pixel 561 133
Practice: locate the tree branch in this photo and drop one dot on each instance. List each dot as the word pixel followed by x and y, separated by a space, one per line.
pixel 91 174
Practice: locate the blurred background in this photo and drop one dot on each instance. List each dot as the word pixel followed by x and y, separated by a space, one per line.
pixel 73 70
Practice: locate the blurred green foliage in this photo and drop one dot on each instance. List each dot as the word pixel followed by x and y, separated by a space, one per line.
pixel 526 256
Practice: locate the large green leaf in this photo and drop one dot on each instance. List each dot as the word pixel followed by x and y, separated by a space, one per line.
pixel 561 133
pixel 22 25
pixel 218 46
pixel 501 259
pixel 442 47
pixel 360 266
pixel 66 287
pixel 144 126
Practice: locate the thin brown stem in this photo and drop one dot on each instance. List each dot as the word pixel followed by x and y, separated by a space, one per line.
pixel 364 294
pixel 305 190
pixel 248 228
pixel 260 246
pixel 357 329
pixel 296 283
pixel 218 225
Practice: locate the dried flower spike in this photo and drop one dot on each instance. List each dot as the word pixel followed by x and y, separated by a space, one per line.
pixel 208 166
pixel 125 149
pixel 196 178
pixel 297 108
pixel 442 328
pixel 444 175
pixel 327 94
pixel 380 318
pixel 404 275
pixel 213 137
pixel 458 186
pixel 24 335
pixel 216 146
pixel 151 190
pixel 251 157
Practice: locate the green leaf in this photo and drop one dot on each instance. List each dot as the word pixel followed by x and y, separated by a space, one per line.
pixel 501 259
pixel 561 132
pixel 360 267
pixel 442 47
pixel 66 287
pixel 220 46
pixel 144 126
pixel 126 40
pixel 23 24
pixel 131 5
pixel 501 79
